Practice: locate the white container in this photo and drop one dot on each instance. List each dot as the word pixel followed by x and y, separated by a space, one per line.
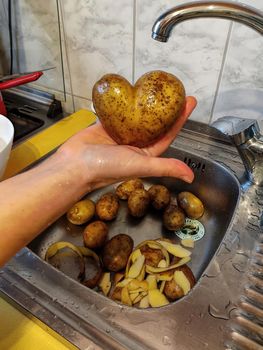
pixel 6 141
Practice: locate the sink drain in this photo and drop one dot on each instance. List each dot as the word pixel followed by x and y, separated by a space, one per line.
pixel 192 229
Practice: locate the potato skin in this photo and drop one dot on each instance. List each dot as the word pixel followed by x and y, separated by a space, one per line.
pixel 160 196
pixel 95 234
pixel 173 218
pixel 116 252
pixel 191 204
pixel 138 203
pixel 126 188
pixel 107 207
pixel 152 256
pixel 81 212
pixel 138 115
pixel 171 288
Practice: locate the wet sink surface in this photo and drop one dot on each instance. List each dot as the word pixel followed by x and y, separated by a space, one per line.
pixel 214 185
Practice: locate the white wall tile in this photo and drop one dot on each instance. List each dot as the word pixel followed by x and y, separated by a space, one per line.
pixel 241 88
pixel 194 52
pixel 36 40
pixel 99 35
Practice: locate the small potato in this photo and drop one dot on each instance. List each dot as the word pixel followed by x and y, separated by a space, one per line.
pixel 192 205
pixel 152 256
pixel 126 188
pixel 107 207
pixel 95 234
pixel 173 218
pixel 116 252
pixel 81 212
pixel 160 196
pixel 138 203
pixel 172 290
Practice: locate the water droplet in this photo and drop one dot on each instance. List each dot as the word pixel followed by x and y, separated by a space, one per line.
pixel 166 340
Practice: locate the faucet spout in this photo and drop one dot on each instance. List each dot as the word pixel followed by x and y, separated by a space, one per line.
pixel 247 15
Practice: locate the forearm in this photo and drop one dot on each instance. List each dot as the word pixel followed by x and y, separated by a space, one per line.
pixel 30 202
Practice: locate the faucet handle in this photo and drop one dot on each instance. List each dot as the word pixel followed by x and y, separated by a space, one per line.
pixel 239 129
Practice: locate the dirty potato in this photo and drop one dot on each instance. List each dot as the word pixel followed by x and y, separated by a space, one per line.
pixel 160 196
pixel 173 218
pixel 81 212
pixel 107 207
pixel 95 234
pixel 172 290
pixel 116 252
pixel 138 115
pixel 138 203
pixel 152 256
pixel 191 204
pixel 126 188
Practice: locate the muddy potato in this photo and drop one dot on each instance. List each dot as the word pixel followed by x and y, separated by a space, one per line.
pixel 171 288
pixel 152 256
pixel 107 207
pixel 138 115
pixel 116 252
pixel 160 196
pixel 192 205
pixel 138 203
pixel 173 218
pixel 95 234
pixel 81 212
pixel 126 188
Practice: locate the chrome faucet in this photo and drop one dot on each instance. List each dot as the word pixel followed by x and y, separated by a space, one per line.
pixel 243 132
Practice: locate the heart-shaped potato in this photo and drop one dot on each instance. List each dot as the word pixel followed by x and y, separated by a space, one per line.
pixel 138 115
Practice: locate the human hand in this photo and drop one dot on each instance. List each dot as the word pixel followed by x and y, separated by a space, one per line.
pixel 104 161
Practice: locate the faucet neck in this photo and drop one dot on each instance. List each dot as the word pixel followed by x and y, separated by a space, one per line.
pixel 222 9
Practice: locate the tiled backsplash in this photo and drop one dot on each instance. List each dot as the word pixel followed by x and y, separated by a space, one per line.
pixel 219 62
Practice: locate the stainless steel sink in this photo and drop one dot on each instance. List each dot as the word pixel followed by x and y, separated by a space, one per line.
pixel 209 316
pixel 214 185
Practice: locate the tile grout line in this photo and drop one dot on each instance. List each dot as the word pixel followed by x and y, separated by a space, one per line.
pixel 220 75
pixel 134 39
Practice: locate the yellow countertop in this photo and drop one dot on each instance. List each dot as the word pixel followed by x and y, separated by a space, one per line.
pixel 17 331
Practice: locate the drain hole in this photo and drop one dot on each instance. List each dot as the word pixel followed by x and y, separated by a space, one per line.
pixel 194 165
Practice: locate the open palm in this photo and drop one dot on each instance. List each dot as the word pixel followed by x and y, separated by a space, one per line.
pixel 109 162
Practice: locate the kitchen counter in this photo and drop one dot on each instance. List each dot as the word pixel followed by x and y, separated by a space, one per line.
pixel 18 330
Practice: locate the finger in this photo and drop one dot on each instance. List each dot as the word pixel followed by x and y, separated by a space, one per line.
pixel 157 167
pixel 159 147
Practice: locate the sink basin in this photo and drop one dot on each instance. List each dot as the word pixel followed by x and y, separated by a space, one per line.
pixel 220 262
pixel 214 185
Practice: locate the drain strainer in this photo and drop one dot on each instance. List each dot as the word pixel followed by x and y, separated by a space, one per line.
pixel 192 229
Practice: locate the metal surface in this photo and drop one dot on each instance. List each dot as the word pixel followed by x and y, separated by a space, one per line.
pixel 247 15
pixel 220 311
pixel 246 136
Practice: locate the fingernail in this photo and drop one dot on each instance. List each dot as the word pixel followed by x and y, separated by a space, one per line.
pixel 187 179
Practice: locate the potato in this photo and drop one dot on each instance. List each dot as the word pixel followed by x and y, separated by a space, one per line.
pixel 107 207
pixel 138 202
pixel 116 252
pixel 126 188
pixel 81 212
pixel 138 115
pixel 160 196
pixel 116 294
pixel 192 205
pixel 95 234
pixel 173 218
pixel 172 290
pixel 152 256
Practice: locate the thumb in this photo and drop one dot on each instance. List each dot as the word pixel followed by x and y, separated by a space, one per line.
pixel 171 167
